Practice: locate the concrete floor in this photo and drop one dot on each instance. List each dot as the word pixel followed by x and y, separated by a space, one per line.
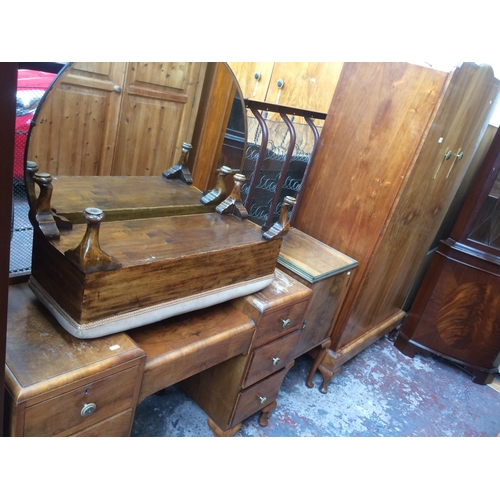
pixel 380 392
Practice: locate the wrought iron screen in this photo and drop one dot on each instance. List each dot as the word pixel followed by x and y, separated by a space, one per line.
pixel 279 151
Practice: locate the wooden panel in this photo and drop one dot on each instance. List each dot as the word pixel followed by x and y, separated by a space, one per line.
pixel 283 291
pixel 216 390
pixel 346 201
pixel 460 122
pixel 61 358
pixel 322 313
pixel 271 357
pixel 219 95
pixel 62 414
pixel 117 118
pixel 249 401
pixel 8 83
pixel 183 346
pixel 276 323
pixel 115 426
pixel 308 85
pixel 124 197
pixel 77 123
pixel 462 316
pixel 157 105
pixel 245 74
pixel 310 258
pixel 451 216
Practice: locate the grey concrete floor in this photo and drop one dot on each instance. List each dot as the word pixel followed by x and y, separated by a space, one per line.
pixel 379 393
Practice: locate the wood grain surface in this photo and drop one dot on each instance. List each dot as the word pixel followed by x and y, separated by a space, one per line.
pixel 124 197
pixel 164 258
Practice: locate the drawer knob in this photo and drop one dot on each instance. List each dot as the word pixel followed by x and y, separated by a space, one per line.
pixel 286 322
pixel 263 399
pixel 276 361
pixel 88 409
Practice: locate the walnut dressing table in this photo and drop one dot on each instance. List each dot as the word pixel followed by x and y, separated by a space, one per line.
pixel 59 385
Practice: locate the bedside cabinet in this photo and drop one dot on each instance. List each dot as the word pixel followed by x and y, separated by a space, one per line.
pixel 327 272
pixel 58 385
pixel 236 389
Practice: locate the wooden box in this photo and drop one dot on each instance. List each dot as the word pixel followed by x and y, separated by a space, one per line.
pixel 163 266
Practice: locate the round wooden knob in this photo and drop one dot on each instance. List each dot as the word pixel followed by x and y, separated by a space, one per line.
pixel 32 166
pixel 42 178
pixel 93 214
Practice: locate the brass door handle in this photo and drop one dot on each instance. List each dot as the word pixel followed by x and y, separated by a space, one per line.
pixel 446 157
pixel 458 157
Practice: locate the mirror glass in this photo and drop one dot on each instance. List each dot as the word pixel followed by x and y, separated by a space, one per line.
pixel 125 119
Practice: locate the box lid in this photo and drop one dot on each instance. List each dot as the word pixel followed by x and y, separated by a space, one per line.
pixel 125 197
pixel 311 259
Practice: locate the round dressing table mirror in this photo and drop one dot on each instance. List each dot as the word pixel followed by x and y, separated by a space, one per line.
pixel 121 160
pixel 107 133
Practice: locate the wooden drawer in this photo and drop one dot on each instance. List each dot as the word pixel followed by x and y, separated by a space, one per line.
pixel 115 426
pixel 276 323
pixel 62 415
pixel 271 358
pixel 251 400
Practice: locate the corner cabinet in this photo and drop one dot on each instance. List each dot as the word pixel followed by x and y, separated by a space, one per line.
pixel 395 146
pixel 456 313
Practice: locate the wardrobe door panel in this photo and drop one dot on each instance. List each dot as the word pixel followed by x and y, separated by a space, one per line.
pixel 458 126
pixel 157 116
pixel 253 77
pixel 89 97
pixel 377 119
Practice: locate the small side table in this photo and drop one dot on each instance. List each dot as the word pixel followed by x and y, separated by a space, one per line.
pixel 327 272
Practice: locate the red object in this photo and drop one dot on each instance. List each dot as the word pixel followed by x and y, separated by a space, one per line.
pixel 31 86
